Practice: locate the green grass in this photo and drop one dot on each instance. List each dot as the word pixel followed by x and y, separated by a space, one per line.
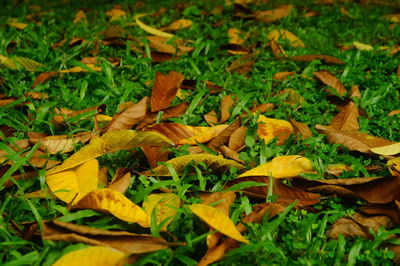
pixel 295 237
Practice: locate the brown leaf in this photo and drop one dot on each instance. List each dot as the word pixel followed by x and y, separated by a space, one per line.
pixel 226 103
pixel 353 140
pixel 301 129
pixel 129 117
pixel 277 50
pixel 63 112
pixel 243 64
pixel 36 95
pixel 170 112
pixel 164 89
pixel 43 78
pixel 275 14
pixel 121 240
pixel 232 154
pixel 326 58
pixel 155 155
pixel 121 180
pixel 329 79
pixel 264 107
pixel 347 119
pixel 60 143
pixel 283 75
pixel 211 118
pixel 224 136
pixel 355 92
pixel 358 225
pixel 390 209
pixel 394 112
pixel 162 45
pixel 236 141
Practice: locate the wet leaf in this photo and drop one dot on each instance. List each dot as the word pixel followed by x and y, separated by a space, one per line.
pixel 73 184
pixel 91 256
pixel 164 204
pixel 212 161
pixel 110 142
pixel 183 134
pixel 329 79
pixel 165 89
pixel 111 201
pixel 269 128
pixel 282 167
pixel 217 220
pixel 129 117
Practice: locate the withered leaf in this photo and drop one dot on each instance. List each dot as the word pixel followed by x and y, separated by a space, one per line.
pixel 390 209
pixel 170 112
pixel 164 89
pixel 236 141
pixel 347 119
pixel 155 155
pixel 326 58
pixel 121 180
pixel 275 14
pixel 269 128
pixel 301 129
pixel 226 103
pixel 43 78
pixel 224 136
pixel 329 79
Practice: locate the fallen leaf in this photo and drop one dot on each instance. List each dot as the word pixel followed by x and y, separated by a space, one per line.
pixel 329 79
pixel 277 49
pixel 235 36
pixel 390 209
pixel 121 180
pixel 283 75
pixel 63 113
pixel 362 46
pixel 291 97
pixel 165 205
pixel 224 136
pixel 165 89
pixel 116 14
pixel 275 14
pixel 347 119
pixel 151 30
pixel 78 69
pixel 353 140
pixel 17 63
pixel 115 203
pixel 17 25
pixel 394 112
pixel 91 256
pixel 282 167
pixel 211 161
pixel 226 103
pixel 391 149
pixel 236 141
pixel 301 129
pixel 170 112
pixel 123 241
pixel 262 108
pixel 155 155
pixel 183 134
pixel 178 24
pixel 269 128
pixel 394 166
pixel 110 142
pixel 211 118
pixel 43 78
pixel 129 117
pixel 393 17
pixel 80 17
pixel 326 58
pixel 287 35
pixel 217 220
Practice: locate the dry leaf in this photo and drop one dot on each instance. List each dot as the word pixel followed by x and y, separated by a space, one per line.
pixel 110 142
pixel 275 14
pixel 17 25
pixel 394 166
pixel 17 63
pixel 282 167
pixel 151 30
pixel 235 36
pixel 362 46
pixel 80 17
pixel 170 112
pixel 292 97
pixel 301 129
pixel 329 79
pixel 120 240
pixel 283 75
pixel 347 119
pixel 394 112
pixel 121 180
pixel 326 58
pixel 43 78
pixel 277 49
pixel 129 117
pixel 390 209
pixel 269 128
pixel 224 136
pixel 164 205
pixel 226 103
pixel 217 220
pixel 183 134
pixel 92 256
pixel 178 163
pixel 178 24
pixel 393 17
pixel 211 118
pixel 165 89
pixel 353 140
pixel 285 34
pixel 73 184
pixel 111 201
pixel 116 14
pixel 155 155
pixel 78 69
pixel 63 113
pixel 392 149
pixel 236 141
pixel 262 108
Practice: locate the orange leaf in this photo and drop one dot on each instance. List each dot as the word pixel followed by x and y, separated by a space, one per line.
pixel 347 119
pixel 164 89
pixel 43 78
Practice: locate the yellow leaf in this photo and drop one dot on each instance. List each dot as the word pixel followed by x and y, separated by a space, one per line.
pixel 110 142
pixel 269 128
pixel 16 61
pixel 179 24
pixel 151 30
pixel 235 36
pixel 78 69
pixel 217 220
pixel 80 17
pixel 362 46
pixel 165 205
pixel 18 25
pixel 285 34
pixel 394 166
pixel 116 14
pixel 178 163
pixel 73 184
pixel 103 118
pixel 392 149
pixel 282 167
pixel 92 256
pixel 111 201
pixel 393 17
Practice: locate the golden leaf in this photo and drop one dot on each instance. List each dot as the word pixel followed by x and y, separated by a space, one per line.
pixel 217 220
pixel 392 149
pixel 15 62
pixel 269 128
pixel 285 34
pixel 165 205
pixel 282 167
pixel 179 24
pixel 235 36
pixel 394 166
pixel 92 256
pixel 151 30
pixel 363 46
pixel 111 201
pixel 116 14
pixel 17 25
pixel 178 163
pixel 110 142
pixel 73 184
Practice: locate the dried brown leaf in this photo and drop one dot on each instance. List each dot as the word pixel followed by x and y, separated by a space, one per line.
pixel 329 79
pixel 155 155
pixel 275 14
pixel 43 78
pixel 347 119
pixel 224 136
pixel 301 129
pixel 164 89
pixel 226 103
pixel 236 141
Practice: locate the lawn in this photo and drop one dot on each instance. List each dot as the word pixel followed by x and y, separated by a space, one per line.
pixel 200 132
